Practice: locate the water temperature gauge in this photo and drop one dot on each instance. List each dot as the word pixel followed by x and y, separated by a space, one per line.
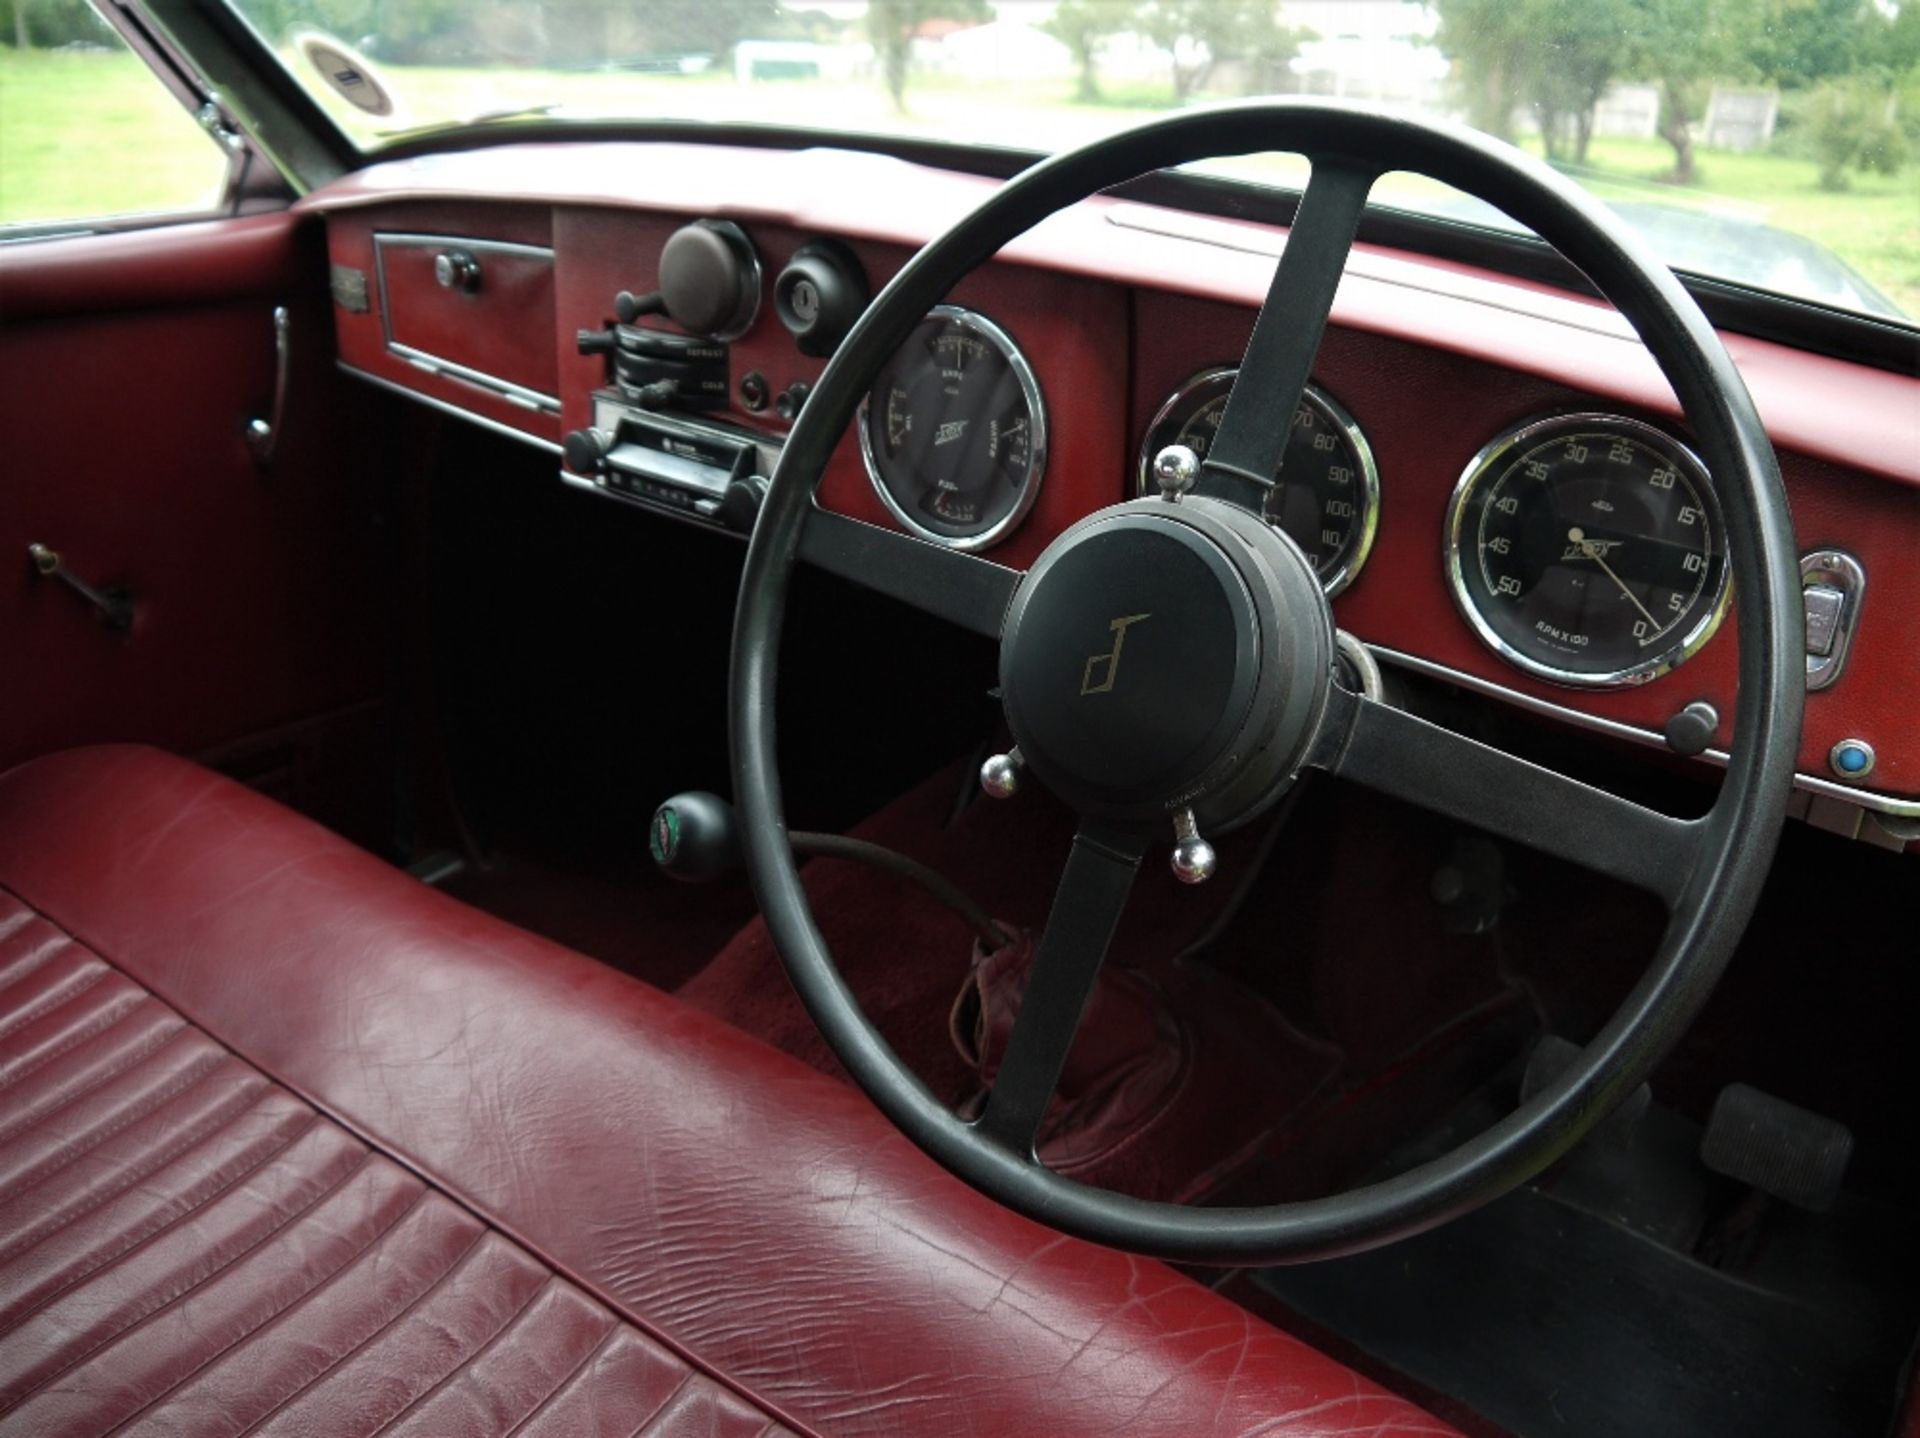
pixel 954 431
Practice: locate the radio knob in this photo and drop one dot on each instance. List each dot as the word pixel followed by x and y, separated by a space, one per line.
pixel 740 505
pixel 586 450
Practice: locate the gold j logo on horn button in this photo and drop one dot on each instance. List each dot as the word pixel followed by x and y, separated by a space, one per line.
pixel 1110 660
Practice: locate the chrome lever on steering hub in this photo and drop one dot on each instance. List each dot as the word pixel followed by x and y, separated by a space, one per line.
pixel 1175 470
pixel 1000 775
pixel 1193 860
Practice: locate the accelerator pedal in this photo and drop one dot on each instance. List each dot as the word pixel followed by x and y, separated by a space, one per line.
pixel 1784 1151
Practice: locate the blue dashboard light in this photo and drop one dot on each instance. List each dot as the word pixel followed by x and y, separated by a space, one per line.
pixel 1851 757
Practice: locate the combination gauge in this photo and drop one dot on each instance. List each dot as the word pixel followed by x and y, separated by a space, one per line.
pixel 954 432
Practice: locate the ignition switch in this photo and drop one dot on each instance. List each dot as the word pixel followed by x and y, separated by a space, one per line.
pixel 819 295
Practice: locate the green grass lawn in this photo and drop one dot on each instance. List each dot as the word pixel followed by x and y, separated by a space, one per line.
pixel 92 134
pixel 89 135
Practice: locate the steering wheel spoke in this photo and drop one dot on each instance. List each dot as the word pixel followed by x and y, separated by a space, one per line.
pixel 964 590
pixel 1086 910
pixel 1258 421
pixel 1397 753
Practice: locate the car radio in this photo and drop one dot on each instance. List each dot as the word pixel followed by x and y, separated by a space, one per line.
pixel 698 469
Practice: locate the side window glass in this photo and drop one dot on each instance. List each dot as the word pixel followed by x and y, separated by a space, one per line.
pixel 87 131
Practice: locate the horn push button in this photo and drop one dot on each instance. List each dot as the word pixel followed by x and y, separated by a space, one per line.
pixel 1130 661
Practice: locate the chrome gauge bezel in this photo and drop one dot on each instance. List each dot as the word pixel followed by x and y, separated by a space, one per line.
pixel 1210 384
pixel 1029 383
pixel 1487 462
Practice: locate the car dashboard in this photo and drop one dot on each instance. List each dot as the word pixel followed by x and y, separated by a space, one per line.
pixel 1490 475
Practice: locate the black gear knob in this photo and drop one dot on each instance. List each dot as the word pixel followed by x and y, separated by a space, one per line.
pixel 694 836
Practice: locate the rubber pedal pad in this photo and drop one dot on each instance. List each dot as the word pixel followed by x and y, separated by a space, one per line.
pixel 1785 1151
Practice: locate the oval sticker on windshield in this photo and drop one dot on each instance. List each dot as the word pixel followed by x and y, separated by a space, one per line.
pixel 347 73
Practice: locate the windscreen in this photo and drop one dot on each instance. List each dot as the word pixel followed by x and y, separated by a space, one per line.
pixel 1775 143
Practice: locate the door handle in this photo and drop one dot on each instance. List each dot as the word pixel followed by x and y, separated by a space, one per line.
pixel 263 435
pixel 113 607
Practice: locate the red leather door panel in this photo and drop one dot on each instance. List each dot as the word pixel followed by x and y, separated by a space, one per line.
pixel 129 367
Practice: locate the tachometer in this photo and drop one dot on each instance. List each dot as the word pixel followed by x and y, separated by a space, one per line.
pixel 1326 493
pixel 1588 549
pixel 954 431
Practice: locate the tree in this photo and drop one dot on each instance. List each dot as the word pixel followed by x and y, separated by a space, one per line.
pixel 1198 35
pixel 56 22
pixel 1682 46
pixel 1852 128
pixel 1573 59
pixel 892 24
pixel 1900 43
pixel 1798 43
pixel 1490 43
pixel 1082 26
pixel 1554 57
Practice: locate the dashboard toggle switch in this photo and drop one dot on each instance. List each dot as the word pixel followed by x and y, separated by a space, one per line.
pixel 1833 585
pixel 1825 606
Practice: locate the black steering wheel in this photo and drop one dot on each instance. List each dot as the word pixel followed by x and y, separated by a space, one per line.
pixel 1224 720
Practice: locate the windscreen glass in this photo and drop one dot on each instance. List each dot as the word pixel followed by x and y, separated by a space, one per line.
pixel 1775 143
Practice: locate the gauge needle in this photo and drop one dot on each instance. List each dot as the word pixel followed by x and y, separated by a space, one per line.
pixel 1593 551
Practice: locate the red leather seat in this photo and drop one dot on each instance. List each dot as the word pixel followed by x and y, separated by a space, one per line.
pixel 291 1143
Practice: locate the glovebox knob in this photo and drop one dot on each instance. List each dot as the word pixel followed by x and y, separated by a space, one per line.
pixel 819 295
pixel 457 270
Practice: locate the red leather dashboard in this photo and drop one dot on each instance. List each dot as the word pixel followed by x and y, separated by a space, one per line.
pixel 1115 304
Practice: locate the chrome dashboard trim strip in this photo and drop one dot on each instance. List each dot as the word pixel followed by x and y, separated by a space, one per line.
pixel 453 409
pixel 1810 783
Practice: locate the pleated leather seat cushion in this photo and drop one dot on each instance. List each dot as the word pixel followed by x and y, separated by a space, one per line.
pixel 189 1248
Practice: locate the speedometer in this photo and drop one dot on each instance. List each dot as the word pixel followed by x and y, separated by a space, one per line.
pixel 954 432
pixel 1588 549
pixel 1326 493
